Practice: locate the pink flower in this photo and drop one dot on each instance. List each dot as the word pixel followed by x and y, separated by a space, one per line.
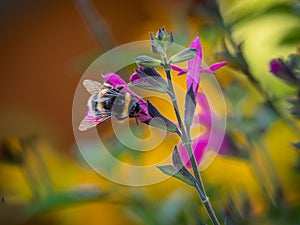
pixel 195 68
pixel 147 110
pixel 146 113
pixel 202 141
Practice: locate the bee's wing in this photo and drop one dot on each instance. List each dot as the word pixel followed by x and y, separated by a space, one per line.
pixel 86 124
pixel 90 120
pixel 93 87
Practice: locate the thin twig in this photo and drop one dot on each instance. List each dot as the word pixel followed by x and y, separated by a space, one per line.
pixel 95 23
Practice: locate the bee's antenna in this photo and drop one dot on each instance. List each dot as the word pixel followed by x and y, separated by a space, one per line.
pixel 136 121
pixel 119 88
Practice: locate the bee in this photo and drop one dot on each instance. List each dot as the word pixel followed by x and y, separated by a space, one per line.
pixel 105 102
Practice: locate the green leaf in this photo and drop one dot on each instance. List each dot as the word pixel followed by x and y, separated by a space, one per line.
pixel 189 107
pixel 172 171
pixel 291 36
pixel 179 164
pixel 280 8
pixel 147 61
pixel 184 55
pixel 150 79
pixel 170 209
pixel 146 86
pixel 73 196
pixel 176 159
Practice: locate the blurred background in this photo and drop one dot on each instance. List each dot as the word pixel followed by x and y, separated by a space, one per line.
pixel 47 45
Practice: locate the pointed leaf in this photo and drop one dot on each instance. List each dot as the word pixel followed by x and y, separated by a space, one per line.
pixel 296 145
pixel 189 107
pixel 176 159
pixel 172 171
pixel 150 79
pixel 160 121
pixel 184 55
pixel 179 164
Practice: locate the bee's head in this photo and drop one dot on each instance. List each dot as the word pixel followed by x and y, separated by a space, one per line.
pixel 134 108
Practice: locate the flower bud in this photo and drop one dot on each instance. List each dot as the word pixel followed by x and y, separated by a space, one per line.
pixel 293 63
pixel 147 61
pixel 280 69
pixel 183 55
pixel 171 38
pixel 161 41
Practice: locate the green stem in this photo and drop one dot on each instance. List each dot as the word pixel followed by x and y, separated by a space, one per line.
pixel 208 207
pixel 187 142
pixel 95 23
pixel 43 170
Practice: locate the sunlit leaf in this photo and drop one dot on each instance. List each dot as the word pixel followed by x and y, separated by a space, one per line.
pixel 291 36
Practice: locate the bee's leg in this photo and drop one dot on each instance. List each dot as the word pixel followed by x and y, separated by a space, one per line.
pixel 143 113
pixel 136 121
pixel 120 117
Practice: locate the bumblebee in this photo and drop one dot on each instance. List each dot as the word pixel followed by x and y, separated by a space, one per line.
pixel 105 102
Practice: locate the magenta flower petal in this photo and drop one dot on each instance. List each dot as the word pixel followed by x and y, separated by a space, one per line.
pixel 217 66
pixel 180 70
pixel 279 68
pixel 196 44
pixel 116 81
pixel 194 66
pixel 204 117
pixel 206 70
pixel 200 142
pixel 135 78
pixel 144 114
pixel 199 147
pixel 226 146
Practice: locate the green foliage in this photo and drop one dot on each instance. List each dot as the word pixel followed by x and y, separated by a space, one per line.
pixel 76 195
